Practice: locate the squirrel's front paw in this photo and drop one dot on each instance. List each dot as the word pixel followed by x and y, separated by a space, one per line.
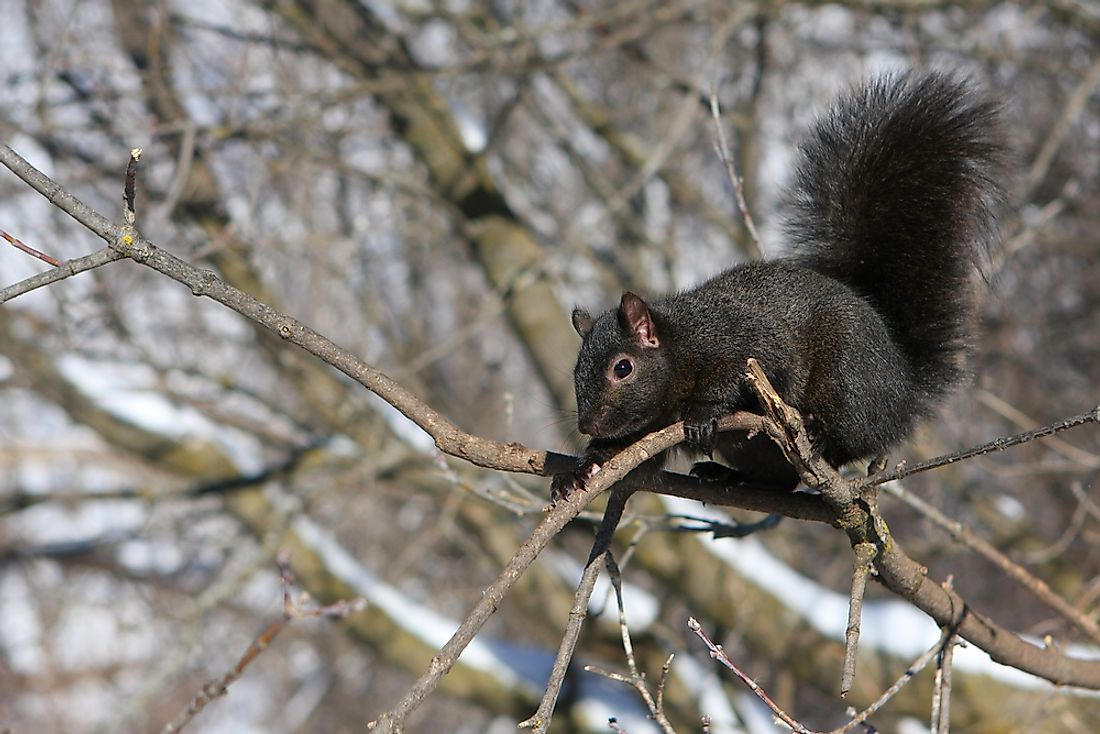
pixel 701 435
pixel 563 485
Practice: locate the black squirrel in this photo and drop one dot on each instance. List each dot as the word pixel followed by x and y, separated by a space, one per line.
pixel 862 327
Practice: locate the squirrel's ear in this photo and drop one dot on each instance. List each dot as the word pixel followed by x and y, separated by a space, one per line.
pixel 635 316
pixel 582 322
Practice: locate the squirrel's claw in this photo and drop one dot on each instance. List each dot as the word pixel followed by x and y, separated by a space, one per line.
pixel 563 485
pixel 701 435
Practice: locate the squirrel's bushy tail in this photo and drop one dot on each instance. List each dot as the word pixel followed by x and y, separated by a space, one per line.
pixel 894 197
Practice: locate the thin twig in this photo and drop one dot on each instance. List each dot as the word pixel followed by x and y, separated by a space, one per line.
pixel 719 654
pixel 130 187
pixel 941 698
pixel 125 242
pixel 865 556
pixel 19 500
pixel 918 665
pixel 184 161
pixel 999 444
pixel 940 704
pixel 227 585
pixel 562 513
pixel 723 151
pixel 20 245
pixel 1060 446
pixel 681 122
pixel 662 681
pixel 214 689
pixel 1054 137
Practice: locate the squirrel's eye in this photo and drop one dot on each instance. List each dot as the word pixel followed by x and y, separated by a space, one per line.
pixel 622 369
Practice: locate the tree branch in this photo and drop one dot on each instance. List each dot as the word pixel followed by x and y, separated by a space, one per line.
pixel 539 722
pixel 65 270
pixel 125 242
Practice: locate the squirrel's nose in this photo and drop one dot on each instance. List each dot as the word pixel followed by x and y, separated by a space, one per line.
pixel 595 421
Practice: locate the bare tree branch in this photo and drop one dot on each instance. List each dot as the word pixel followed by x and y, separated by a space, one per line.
pixel 67 269
pixel 539 722
pixel 1015 571
pixel 865 555
pixel 857 516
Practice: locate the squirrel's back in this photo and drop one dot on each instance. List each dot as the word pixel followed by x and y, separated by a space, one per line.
pixel 894 197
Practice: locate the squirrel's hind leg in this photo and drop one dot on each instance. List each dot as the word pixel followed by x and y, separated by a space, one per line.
pixel 755 460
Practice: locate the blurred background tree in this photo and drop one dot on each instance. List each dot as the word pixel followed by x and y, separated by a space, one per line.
pixel 433 186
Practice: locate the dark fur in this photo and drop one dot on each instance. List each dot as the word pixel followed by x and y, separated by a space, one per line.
pixel 862 328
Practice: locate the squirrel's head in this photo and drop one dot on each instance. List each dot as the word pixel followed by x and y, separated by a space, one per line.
pixel 622 373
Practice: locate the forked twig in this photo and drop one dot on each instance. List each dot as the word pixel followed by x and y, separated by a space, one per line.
pixel 635 679
pixel 539 722
pixel 918 665
pixel 292 609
